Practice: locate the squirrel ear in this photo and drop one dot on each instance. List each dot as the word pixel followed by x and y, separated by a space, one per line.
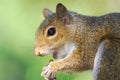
pixel 62 13
pixel 47 12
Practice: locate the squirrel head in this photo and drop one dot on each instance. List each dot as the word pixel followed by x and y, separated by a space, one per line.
pixel 52 33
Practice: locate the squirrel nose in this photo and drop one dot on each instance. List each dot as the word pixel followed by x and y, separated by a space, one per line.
pixel 37 53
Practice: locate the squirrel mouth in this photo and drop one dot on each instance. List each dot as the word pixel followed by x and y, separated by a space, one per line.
pixel 55 55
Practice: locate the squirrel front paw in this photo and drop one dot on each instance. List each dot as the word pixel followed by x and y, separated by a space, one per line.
pixel 48 72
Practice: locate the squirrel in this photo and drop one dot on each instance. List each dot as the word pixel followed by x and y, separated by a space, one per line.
pixel 79 43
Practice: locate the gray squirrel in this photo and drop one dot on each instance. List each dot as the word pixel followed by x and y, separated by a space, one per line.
pixel 79 43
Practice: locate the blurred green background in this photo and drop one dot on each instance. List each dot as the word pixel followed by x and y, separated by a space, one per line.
pixel 19 20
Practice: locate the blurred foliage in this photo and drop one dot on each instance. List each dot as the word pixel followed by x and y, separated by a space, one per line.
pixel 19 20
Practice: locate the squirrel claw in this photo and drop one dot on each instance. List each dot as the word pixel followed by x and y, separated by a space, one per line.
pixel 48 74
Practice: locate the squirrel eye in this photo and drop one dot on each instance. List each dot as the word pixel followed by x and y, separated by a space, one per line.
pixel 51 31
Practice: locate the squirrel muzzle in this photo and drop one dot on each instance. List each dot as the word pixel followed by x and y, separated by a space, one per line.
pixel 42 51
pixel 37 52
